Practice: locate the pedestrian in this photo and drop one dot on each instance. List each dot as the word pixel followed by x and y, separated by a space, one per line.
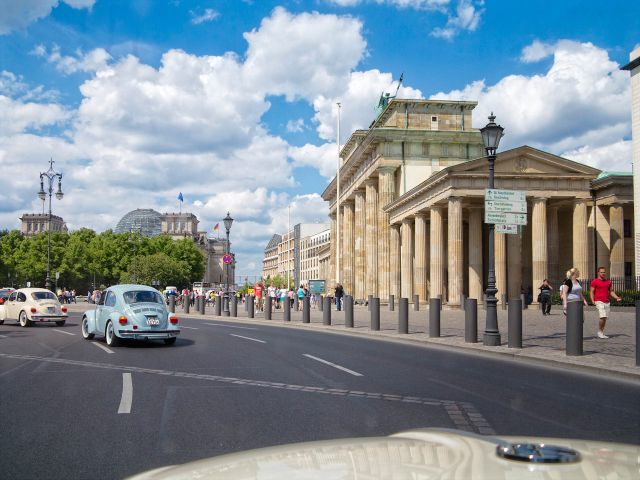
pixel 544 298
pixel 572 290
pixel 339 292
pixel 282 293
pixel 272 291
pixel 600 291
pixel 257 291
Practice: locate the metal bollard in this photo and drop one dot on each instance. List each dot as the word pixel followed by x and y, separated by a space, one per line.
pixel 251 306
pixel 306 310
pixel 523 299
pixel 471 320
pixel 326 311
pixel 369 302
pixel 484 304
pixel 185 304
pixel 203 306
pixel 218 305
pixel 197 303
pixel 375 313
pixel 287 310
pixel 348 310
pixel 416 303
pixel 296 303
pixel 392 306
pixel 575 317
pixel 515 324
pixel 435 305
pixel 267 307
pixel 403 315
pixel 234 306
pixel 504 301
pixel 638 333
pixel 321 304
pixel 172 304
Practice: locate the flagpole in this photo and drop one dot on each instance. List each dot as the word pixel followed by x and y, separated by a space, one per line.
pixel 337 240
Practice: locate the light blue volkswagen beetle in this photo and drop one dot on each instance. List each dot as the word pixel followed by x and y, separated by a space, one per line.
pixel 130 311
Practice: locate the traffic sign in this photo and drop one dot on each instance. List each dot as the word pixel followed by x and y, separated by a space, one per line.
pixel 511 229
pixel 505 206
pixel 226 258
pixel 505 218
pixel 505 195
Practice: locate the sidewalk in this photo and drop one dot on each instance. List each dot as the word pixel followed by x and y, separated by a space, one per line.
pixel 543 337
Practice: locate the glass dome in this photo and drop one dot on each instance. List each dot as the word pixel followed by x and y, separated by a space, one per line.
pixel 146 221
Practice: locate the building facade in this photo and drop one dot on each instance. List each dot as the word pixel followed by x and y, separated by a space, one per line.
pixel 428 238
pixel 35 223
pixel 310 247
pixel 270 261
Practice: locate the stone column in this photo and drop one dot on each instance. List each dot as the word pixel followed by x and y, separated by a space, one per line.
pixel 394 260
pixel 436 271
pixel 580 241
pixel 603 238
pixel 616 220
pixel 500 241
pixel 539 245
pixel 475 254
pixel 331 271
pixel 406 235
pixel 455 250
pixel 386 195
pixel 420 267
pixel 360 265
pixel 514 265
pixel 553 245
pixel 348 247
pixel 371 248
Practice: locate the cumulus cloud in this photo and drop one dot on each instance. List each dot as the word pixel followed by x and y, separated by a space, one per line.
pixel 92 61
pixel 18 14
pixel 579 105
pixel 466 17
pixel 323 157
pixel 208 15
pixel 296 126
pixel 416 4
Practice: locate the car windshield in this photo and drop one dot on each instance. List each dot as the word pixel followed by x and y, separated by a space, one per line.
pixel 142 296
pixel 38 296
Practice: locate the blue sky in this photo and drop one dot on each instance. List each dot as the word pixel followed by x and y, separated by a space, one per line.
pixel 232 102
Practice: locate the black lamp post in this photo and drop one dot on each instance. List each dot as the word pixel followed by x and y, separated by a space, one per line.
pixel 51 176
pixel 228 221
pixel 491 135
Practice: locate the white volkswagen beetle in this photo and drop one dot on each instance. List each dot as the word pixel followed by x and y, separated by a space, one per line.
pixel 29 305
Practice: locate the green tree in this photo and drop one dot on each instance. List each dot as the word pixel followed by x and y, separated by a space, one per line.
pixel 159 266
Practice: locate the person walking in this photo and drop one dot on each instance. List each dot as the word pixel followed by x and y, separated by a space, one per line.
pixel 572 290
pixel 339 293
pixel 545 297
pixel 257 290
pixel 600 291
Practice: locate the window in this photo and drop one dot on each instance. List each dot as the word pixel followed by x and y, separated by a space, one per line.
pixel 110 301
pixel 627 228
pixel 12 297
pixel 21 297
pixel 43 296
pixel 445 150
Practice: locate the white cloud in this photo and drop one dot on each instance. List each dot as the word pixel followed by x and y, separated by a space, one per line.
pixel 536 52
pixel 323 157
pixel 209 15
pixel 467 17
pixel 92 61
pixel 416 4
pixel 296 126
pixel 17 14
pixel 613 157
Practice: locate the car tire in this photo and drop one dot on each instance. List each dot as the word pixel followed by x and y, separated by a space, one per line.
pixel 60 323
pixel 85 329
pixel 170 341
pixel 110 335
pixel 23 320
pixel 1 322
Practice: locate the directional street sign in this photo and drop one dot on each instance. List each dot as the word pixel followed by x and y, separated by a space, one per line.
pixel 505 195
pixel 505 218
pixel 511 229
pixel 505 206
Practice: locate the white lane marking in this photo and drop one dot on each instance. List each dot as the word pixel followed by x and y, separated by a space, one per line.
pixel 248 338
pixel 188 328
pixel 229 326
pixel 62 331
pixel 333 365
pixel 3 336
pixel 127 394
pixel 106 349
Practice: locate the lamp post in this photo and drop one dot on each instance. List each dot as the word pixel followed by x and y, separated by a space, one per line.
pixel 51 176
pixel 491 135
pixel 228 221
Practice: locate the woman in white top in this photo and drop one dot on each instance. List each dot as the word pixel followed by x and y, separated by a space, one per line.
pixel 573 293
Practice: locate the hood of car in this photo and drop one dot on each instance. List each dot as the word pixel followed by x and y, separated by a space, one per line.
pixel 426 453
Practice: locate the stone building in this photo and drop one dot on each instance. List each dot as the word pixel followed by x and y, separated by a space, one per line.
pixel 310 247
pixel 426 236
pixel 270 261
pixel 34 223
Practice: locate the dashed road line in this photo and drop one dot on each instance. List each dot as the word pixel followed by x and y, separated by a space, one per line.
pixel 334 365
pixel 127 394
pixel 106 349
pixel 248 338
pixel 229 326
pixel 62 331
pixel 3 336
pixel 188 328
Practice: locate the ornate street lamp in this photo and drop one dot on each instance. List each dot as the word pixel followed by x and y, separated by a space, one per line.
pixel 228 221
pixel 51 175
pixel 491 135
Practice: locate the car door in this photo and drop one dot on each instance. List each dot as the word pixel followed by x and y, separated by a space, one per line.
pixel 10 306
pixel 105 308
pixel 18 304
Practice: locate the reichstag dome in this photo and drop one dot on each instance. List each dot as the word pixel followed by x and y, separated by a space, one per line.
pixel 146 221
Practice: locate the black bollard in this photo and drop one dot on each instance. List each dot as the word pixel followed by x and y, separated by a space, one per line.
pixel 403 315
pixel 197 303
pixel 251 306
pixel 172 303
pixel 434 317
pixel 287 310
pixel 575 317
pixel 306 310
pixel 369 302
pixel 471 320
pixel 416 302
pixel 267 307
pixel 503 301
pixel 523 299
pixel 218 305
pixel 321 304
pixel 638 333
pixel 203 305
pixel 515 324
pixel 296 303
pixel 185 303
pixel 234 306
pixel 348 310
pixel 326 312
pixel 392 305
pixel 246 303
pixel 375 313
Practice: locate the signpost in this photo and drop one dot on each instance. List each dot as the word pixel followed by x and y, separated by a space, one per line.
pixel 506 209
pixel 316 287
pixel 226 258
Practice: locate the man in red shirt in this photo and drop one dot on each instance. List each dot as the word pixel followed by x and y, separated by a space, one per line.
pixel 257 290
pixel 600 293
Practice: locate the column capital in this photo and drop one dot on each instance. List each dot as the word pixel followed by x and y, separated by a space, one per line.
pixel 371 182
pixel 424 215
pixel 579 201
pixel 437 208
pixel 395 226
pixel 387 169
pixel 407 221
pixel 540 199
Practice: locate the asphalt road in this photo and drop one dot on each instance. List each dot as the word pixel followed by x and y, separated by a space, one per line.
pixel 72 408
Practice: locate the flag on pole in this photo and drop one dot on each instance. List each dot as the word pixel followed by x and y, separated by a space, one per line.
pixel 216 227
pixel 180 197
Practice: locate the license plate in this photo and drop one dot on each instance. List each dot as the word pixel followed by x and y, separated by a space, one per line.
pixel 51 309
pixel 153 321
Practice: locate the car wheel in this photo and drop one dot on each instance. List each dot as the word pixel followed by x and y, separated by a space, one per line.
pixel 170 341
pixel 110 335
pixel 60 323
pixel 23 320
pixel 1 322
pixel 85 329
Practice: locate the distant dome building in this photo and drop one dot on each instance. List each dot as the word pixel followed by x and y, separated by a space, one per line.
pixel 144 220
